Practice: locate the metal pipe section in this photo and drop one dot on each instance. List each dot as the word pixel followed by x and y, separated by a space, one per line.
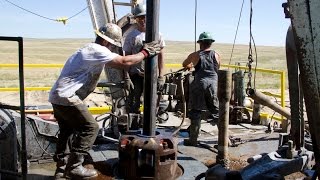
pixel 224 95
pixel 264 100
pixel 151 67
pixel 24 166
pixel 302 126
pixel 256 112
pixel 239 94
pixel 294 90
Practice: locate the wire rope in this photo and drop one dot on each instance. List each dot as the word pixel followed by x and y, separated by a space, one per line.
pixel 250 60
pixel 64 20
pixel 235 36
pixel 195 24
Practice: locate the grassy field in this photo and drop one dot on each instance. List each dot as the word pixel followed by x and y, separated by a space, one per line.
pixel 57 51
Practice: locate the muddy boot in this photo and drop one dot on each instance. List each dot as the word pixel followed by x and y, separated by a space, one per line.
pixel 194 129
pixel 61 166
pixel 75 170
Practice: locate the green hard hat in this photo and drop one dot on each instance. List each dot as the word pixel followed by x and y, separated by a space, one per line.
pixel 205 36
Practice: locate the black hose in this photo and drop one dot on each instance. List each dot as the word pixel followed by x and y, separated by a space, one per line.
pixel 184 107
pixel 200 176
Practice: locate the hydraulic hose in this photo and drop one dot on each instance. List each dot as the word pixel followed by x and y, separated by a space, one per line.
pixel 184 106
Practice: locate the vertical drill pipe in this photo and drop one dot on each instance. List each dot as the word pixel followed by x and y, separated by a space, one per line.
pixel 294 90
pixel 239 87
pixel 256 113
pixel 151 66
pixel 224 95
pixel 305 23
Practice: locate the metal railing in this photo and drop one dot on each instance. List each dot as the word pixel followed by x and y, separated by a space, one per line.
pixel 99 110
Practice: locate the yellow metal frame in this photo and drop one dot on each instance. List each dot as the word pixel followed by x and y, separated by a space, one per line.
pixel 100 110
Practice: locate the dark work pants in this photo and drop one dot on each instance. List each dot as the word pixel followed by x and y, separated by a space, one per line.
pixel 135 94
pixel 75 120
pixel 204 96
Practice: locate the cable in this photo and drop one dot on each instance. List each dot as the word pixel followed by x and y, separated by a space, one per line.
pixel 235 36
pixel 250 53
pixel 255 48
pixel 77 13
pixel 63 20
pixel 195 24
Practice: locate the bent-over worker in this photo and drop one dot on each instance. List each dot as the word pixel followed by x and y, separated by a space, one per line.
pixel 77 80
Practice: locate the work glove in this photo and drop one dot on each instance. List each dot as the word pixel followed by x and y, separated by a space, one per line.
pixel 151 49
pixel 128 85
pixel 160 82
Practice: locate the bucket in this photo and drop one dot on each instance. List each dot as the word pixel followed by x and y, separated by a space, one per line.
pixel 264 119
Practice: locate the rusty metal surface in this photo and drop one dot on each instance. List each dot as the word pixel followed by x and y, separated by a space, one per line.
pixel 294 90
pixel 305 20
pixel 224 95
pixel 148 157
pixel 264 100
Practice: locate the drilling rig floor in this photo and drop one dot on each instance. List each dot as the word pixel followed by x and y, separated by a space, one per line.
pixel 245 142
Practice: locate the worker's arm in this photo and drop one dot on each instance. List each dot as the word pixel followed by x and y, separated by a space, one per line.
pixel 218 58
pixel 161 62
pixel 123 61
pixel 191 60
pixel 149 49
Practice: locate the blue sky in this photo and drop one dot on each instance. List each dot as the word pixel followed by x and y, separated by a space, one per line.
pixel 220 17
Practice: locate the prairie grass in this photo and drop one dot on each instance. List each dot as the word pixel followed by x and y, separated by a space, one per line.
pixel 57 51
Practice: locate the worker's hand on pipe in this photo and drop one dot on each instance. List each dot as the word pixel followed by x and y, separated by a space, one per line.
pixel 128 85
pixel 151 48
pixel 189 66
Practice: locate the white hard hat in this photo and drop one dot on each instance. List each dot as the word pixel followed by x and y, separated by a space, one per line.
pixel 111 33
pixel 139 10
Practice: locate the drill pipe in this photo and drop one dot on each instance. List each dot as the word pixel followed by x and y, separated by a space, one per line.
pixel 151 66
pixel 264 100
pixel 224 95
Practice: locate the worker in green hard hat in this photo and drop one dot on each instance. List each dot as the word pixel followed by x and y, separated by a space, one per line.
pixel 206 63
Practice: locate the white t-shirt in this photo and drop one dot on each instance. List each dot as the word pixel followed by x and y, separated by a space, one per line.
pixel 80 74
pixel 133 44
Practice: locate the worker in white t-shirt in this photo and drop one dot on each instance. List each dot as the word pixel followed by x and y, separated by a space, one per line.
pixel 79 77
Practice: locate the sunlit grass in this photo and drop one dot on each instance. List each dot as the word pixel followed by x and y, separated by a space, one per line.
pixel 57 51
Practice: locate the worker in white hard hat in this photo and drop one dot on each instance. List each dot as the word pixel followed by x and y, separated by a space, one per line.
pixel 132 44
pixel 77 80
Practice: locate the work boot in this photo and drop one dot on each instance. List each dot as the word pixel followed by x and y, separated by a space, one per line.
pixel 61 166
pixel 194 129
pixel 75 170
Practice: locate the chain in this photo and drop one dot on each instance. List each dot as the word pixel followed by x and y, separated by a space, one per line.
pixel 250 60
